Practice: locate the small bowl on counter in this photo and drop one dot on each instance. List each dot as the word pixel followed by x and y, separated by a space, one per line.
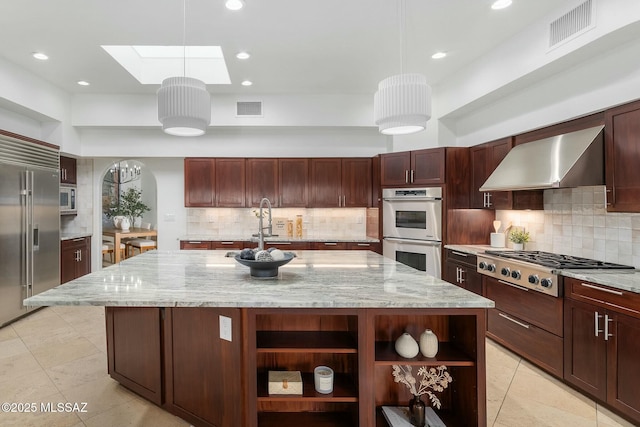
pixel 265 269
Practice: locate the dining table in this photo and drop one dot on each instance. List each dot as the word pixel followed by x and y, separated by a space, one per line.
pixel 118 235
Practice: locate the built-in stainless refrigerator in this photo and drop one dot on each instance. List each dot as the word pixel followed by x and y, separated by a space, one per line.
pixel 29 223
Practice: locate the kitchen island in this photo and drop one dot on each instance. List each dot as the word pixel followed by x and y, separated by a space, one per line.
pixel 194 333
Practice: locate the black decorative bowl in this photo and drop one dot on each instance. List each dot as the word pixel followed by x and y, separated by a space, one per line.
pixel 265 269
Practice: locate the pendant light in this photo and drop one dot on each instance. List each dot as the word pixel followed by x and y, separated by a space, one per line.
pixel 184 105
pixel 402 104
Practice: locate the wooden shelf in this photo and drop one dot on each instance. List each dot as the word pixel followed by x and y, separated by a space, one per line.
pixel 306 419
pixel 447 355
pixel 305 341
pixel 344 390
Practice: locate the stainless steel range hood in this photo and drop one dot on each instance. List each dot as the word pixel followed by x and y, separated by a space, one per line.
pixel 570 160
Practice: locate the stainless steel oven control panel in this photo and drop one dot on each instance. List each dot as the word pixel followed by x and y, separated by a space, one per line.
pixel 522 275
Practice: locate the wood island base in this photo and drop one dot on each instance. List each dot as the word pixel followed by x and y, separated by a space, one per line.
pixel 176 358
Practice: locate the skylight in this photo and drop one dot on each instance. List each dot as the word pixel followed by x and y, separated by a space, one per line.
pixel 153 64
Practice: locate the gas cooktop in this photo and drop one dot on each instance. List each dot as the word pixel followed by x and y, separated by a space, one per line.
pixel 551 260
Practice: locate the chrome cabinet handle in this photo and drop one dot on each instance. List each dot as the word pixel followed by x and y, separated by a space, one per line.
pixel 596 319
pixel 607 319
pixel 461 275
pixel 524 325
pixel 406 176
pixel 598 288
pixel 522 288
pixel 460 253
pixel 412 175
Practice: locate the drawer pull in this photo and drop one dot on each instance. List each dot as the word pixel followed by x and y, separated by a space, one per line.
pixel 522 288
pixel 226 243
pixel 596 319
pixel 459 253
pixel 364 244
pixel 194 241
pixel 598 288
pixel 607 319
pixel 330 244
pixel 524 325
pixel 283 243
pixel 78 240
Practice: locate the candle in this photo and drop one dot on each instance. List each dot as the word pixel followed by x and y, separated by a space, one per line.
pixel 323 379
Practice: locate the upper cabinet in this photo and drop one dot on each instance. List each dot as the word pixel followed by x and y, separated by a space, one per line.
pixel 262 181
pixel 293 180
pixel 230 182
pixel 68 170
pixel 214 182
pixel 622 157
pixel 336 182
pixel 484 159
pixel 420 167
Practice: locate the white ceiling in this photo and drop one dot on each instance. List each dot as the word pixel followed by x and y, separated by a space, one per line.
pixel 297 46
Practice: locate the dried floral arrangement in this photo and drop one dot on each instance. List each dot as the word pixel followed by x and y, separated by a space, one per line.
pixel 434 378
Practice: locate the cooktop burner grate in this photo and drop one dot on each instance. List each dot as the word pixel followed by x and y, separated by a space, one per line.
pixel 551 260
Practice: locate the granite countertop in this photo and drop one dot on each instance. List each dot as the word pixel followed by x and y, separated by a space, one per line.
pixel 624 280
pixel 70 236
pixel 278 239
pixel 314 279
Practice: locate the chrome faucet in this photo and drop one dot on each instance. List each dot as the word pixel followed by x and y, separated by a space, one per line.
pixel 261 226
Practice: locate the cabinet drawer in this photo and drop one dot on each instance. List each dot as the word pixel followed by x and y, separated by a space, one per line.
pixel 462 258
pixel 603 296
pixel 227 244
pixel 526 339
pixel 288 246
pixel 544 311
pixel 329 246
pixel 194 244
pixel 363 246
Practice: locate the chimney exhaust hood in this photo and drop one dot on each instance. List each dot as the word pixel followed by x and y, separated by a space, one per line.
pixel 569 160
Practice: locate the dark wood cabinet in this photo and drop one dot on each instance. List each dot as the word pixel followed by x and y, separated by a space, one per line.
pixel 230 182
pixel 68 170
pixel 293 182
pixel 262 181
pixel 356 182
pixel 602 343
pixel 460 269
pixel 365 246
pixel 420 167
pixel 75 258
pixel 329 246
pixel 199 182
pixel 288 246
pixel 202 370
pixel 336 182
pixel 622 157
pixel 134 350
pixel 484 159
pixel 195 244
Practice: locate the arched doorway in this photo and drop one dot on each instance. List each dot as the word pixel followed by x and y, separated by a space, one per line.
pixel 119 181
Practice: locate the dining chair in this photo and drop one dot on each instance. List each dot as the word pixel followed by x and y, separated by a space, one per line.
pixel 140 244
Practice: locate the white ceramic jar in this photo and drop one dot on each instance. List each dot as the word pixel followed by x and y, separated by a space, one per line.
pixel 406 346
pixel 428 343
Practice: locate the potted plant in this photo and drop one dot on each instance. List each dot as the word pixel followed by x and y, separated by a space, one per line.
pixel 131 204
pixel 519 237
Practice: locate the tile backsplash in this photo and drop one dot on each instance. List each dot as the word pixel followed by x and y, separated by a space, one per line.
pixel 575 222
pixel 326 223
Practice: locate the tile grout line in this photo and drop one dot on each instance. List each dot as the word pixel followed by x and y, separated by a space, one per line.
pixel 515 371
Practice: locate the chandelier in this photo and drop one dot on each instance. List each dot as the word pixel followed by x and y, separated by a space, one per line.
pixel 184 105
pixel 121 173
pixel 402 104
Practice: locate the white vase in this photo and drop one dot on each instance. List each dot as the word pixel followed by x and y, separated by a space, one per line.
pixel 428 343
pixel 125 224
pixel 406 346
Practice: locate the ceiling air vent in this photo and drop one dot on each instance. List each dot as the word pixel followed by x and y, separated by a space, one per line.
pixel 573 23
pixel 249 109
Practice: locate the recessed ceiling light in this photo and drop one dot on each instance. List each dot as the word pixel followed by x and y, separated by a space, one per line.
pixel 243 55
pixel 246 83
pixel 83 83
pixel 438 55
pixel 234 4
pixel 41 56
pixel 500 4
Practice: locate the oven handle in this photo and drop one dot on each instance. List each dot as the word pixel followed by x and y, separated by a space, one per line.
pixel 415 242
pixel 412 199
pixel 522 288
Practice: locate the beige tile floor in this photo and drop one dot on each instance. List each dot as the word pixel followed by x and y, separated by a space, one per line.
pixel 58 354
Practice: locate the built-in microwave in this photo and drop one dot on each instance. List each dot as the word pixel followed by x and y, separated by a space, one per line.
pixel 68 200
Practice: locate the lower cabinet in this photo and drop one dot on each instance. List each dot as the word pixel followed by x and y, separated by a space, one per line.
pixel 602 344
pixel 180 359
pixel 75 258
pixel 460 269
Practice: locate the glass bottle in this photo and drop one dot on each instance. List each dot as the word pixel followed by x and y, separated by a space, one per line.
pixel 299 226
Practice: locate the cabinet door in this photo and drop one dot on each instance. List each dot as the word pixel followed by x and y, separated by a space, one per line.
pixel 134 353
pixel 262 181
pixel 427 167
pixel 84 263
pixel 68 261
pixel 230 183
pixel 293 181
pixel 622 139
pixel 484 159
pixel 326 183
pixel 68 168
pixel 623 369
pixel 199 182
pixel 585 353
pixel 356 182
pixel 394 168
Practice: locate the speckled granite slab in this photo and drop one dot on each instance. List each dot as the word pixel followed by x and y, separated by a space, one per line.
pixel 338 279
